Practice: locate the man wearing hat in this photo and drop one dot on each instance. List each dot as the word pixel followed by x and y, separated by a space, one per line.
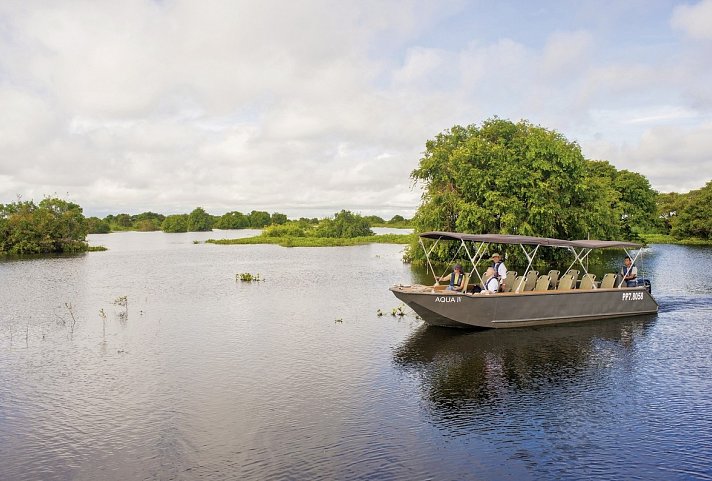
pixel 500 270
pixel 456 278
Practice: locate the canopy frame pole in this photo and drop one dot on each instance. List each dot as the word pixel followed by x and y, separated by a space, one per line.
pixel 574 262
pixel 530 258
pixel 581 257
pixel 427 255
pixel 478 257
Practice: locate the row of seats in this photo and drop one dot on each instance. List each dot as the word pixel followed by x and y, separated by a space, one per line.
pixel 534 282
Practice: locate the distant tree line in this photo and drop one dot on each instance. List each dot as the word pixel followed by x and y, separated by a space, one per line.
pixel 196 221
pixel 199 220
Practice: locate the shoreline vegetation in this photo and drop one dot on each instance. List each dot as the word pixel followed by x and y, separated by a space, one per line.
pixel 498 177
pixel 344 229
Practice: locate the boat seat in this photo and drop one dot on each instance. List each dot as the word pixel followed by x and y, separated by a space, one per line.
pixel 532 276
pixel 509 281
pixel 608 281
pixel 542 284
pixel 588 281
pixel 467 281
pixel 554 276
pixel 566 282
pixel 519 284
pixel 575 273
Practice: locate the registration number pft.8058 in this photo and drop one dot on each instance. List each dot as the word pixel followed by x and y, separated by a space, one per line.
pixel 632 296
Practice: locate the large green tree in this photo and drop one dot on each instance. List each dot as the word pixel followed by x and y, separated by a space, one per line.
pixel 504 177
pixel 518 178
pixel 199 220
pixel 259 219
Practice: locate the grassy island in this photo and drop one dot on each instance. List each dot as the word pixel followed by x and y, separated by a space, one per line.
pixel 289 241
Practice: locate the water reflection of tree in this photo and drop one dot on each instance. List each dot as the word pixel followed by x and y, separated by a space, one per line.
pixel 470 372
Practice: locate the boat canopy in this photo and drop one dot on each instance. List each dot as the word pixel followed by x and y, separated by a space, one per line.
pixel 528 240
pixel 579 248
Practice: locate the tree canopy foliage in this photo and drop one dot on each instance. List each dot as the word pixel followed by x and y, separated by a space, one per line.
pixel 278 219
pixel 145 221
pixel 96 225
pixel 518 178
pixel 175 223
pixel 199 221
pixel 52 226
pixel 687 215
pixel 233 220
pixel 259 219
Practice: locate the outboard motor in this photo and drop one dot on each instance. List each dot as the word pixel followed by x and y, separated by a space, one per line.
pixel 645 283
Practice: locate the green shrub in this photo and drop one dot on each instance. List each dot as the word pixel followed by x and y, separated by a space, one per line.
pixel 345 224
pixel 53 225
pixel 175 223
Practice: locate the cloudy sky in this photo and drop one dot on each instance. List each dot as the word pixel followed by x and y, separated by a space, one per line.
pixel 307 107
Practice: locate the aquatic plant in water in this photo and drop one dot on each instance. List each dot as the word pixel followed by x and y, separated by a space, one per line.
pixel 248 277
pixel 123 301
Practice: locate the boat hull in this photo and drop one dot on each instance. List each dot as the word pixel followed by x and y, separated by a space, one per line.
pixel 505 310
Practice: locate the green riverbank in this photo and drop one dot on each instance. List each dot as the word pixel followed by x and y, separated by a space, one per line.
pixel 668 239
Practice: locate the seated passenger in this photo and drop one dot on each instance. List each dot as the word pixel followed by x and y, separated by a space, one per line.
pixel 490 282
pixel 456 278
pixel 629 273
pixel 500 270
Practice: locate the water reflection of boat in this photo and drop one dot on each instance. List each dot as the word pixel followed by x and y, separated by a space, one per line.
pixel 480 366
pixel 526 305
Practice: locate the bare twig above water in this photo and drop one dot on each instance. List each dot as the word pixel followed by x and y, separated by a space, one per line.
pixel 73 323
pixel 102 315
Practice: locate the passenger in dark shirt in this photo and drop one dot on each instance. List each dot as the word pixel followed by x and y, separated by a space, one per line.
pixel 456 278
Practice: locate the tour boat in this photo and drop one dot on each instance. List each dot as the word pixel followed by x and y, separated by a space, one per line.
pixel 528 300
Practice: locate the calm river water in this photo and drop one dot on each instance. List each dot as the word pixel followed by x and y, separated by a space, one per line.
pixel 297 377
